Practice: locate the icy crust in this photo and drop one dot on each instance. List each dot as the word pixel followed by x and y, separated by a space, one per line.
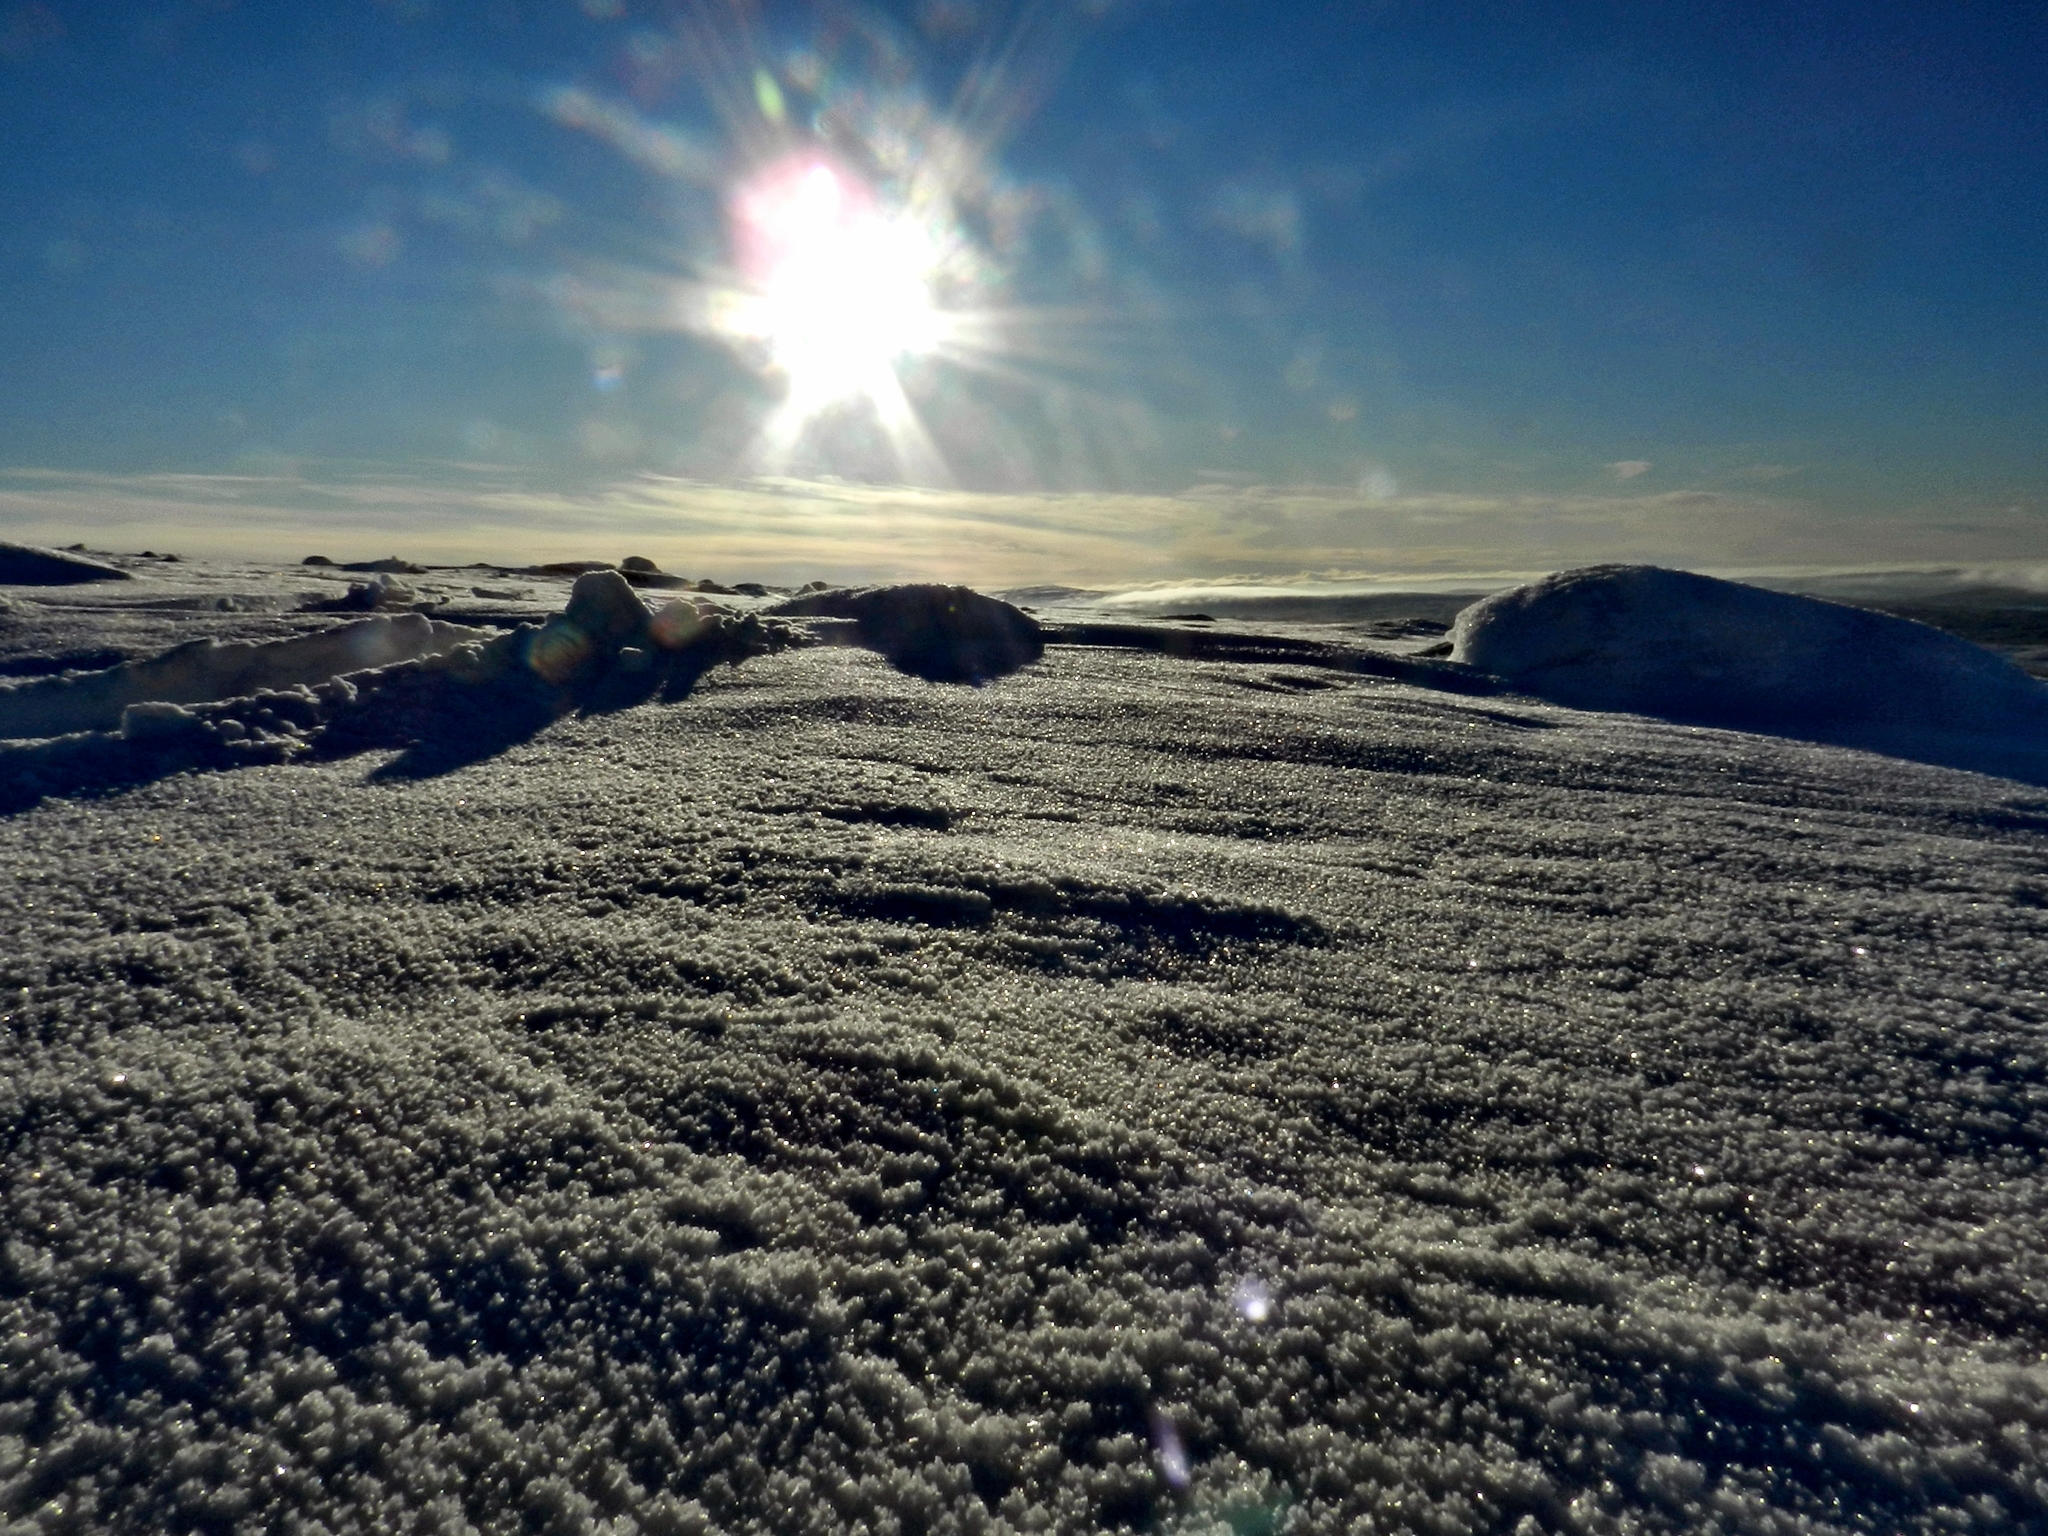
pixel 1690 647
pixel 1136 1097
pixel 945 634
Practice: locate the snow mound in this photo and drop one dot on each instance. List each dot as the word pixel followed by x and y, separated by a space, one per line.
pixel 444 695
pixel 643 572
pixel 381 593
pixel 29 565
pixel 1686 647
pixel 210 669
pixel 605 625
pixel 944 634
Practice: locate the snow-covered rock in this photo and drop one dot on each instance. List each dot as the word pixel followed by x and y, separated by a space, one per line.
pixel 606 609
pixel 603 618
pixel 945 634
pixel 1695 648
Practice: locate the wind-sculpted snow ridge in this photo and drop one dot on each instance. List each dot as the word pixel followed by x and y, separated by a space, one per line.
pixel 445 693
pixel 1695 648
pixel 1139 1096
pixel 30 565
pixel 205 670
pixel 1216 645
pixel 943 634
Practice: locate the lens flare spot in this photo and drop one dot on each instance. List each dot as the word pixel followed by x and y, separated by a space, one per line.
pixel 1171 1450
pixel 678 625
pixel 1252 1299
pixel 768 97
pixel 558 651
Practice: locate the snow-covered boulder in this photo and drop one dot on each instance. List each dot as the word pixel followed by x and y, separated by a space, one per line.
pixel 605 608
pixel 1687 647
pixel 945 634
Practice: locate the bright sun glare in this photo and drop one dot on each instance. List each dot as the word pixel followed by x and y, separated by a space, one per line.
pixel 838 289
pixel 870 271
pixel 866 276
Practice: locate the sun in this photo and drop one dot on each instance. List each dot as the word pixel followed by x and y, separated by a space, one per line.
pixel 837 288
pixel 899 308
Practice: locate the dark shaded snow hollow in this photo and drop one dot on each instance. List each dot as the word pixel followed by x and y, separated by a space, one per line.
pixel 1143 1092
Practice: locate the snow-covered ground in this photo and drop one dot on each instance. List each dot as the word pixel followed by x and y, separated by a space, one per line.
pixel 1180 1089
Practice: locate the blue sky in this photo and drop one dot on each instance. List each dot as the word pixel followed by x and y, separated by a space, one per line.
pixel 1779 266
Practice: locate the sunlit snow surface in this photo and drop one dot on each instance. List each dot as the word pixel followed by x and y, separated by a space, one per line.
pixel 1138 1092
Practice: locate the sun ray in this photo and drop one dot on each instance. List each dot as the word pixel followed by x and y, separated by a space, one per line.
pixel 837 289
pixel 871 244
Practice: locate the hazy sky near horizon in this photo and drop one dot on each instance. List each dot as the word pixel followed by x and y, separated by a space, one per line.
pixel 1769 275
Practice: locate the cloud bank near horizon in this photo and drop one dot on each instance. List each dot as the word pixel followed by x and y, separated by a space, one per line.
pixel 791 530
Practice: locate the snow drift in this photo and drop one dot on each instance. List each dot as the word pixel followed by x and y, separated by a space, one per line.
pixel 443 694
pixel 1697 649
pixel 204 670
pixel 381 593
pixel 29 565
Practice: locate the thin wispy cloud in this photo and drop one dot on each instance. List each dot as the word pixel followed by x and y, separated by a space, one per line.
pixel 796 530
pixel 1266 214
pixel 654 146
